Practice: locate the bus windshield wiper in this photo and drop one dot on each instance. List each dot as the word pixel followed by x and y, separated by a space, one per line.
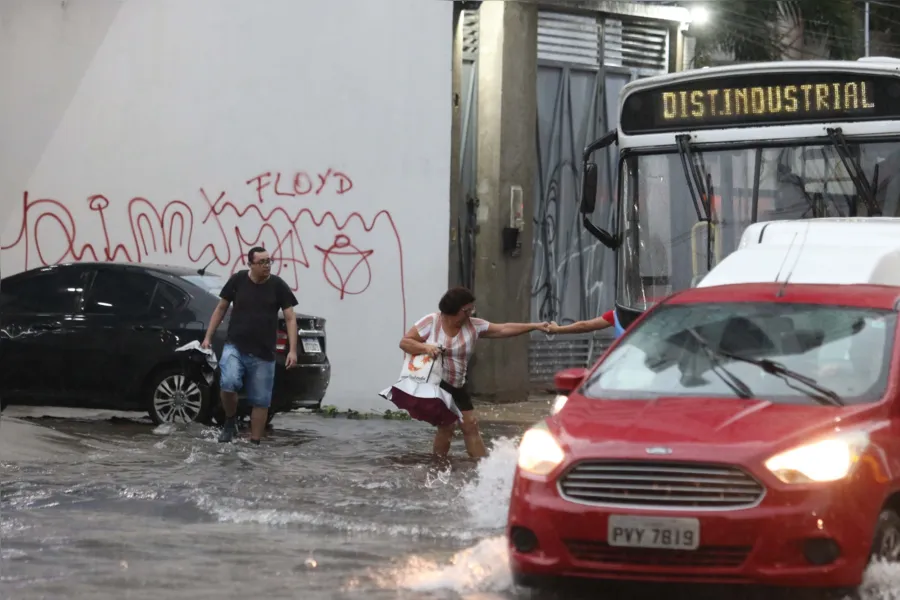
pixel 854 170
pixel 816 391
pixel 734 382
pixel 694 177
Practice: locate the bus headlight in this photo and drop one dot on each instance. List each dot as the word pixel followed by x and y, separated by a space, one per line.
pixel 539 452
pixel 829 459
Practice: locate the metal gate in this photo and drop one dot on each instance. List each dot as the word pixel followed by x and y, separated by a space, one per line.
pixel 583 63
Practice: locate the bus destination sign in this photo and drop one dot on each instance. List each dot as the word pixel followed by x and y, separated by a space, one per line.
pixel 762 99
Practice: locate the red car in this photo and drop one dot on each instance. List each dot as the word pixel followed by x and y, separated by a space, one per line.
pixel 750 441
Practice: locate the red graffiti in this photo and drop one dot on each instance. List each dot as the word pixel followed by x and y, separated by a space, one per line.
pixel 302 184
pixel 171 230
pixel 342 246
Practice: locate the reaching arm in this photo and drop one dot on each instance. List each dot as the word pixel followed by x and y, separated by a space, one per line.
pixel 582 326
pixel 290 319
pixel 216 319
pixel 508 330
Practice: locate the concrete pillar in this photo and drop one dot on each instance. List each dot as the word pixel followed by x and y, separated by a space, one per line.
pixel 507 157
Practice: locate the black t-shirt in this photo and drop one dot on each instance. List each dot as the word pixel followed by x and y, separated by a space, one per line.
pixel 253 328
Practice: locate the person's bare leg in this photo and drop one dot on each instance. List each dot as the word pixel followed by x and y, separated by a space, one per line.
pixel 442 438
pixel 472 435
pixel 258 422
pixel 229 403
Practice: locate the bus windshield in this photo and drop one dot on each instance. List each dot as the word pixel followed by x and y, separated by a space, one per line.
pixel 669 245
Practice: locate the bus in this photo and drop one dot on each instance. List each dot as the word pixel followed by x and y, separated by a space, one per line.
pixel 703 154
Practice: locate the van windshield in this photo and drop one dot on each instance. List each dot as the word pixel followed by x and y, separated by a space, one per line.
pixel 680 351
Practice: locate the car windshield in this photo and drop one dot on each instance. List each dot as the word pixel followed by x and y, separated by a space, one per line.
pixel 210 282
pixel 682 349
pixel 668 245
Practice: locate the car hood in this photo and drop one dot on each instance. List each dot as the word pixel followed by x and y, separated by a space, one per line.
pixel 695 428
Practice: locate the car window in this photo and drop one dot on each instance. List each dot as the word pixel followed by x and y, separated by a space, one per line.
pixel 120 293
pixel 52 292
pixel 210 282
pixel 167 299
pixel 844 348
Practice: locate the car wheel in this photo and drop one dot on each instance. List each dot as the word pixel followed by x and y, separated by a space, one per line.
pixel 886 542
pixel 178 397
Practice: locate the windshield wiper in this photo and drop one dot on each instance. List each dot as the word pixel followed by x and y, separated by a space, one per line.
pixel 816 391
pixel 863 187
pixel 736 384
pixel 693 176
pixel 702 196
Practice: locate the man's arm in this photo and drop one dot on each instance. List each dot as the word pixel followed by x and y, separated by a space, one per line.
pixel 216 319
pixel 290 320
pixel 288 301
pixel 226 297
pixel 508 330
pixel 582 326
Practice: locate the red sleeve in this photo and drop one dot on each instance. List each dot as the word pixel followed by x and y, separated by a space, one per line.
pixel 608 317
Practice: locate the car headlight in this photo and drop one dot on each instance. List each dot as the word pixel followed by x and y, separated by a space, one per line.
pixel 539 452
pixel 829 459
pixel 558 404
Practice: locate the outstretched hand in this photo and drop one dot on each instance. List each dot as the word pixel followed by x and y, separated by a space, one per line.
pixel 545 327
pixel 553 327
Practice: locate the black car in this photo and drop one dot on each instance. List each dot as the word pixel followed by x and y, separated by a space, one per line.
pixel 104 335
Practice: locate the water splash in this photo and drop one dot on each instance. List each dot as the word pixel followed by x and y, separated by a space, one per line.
pixel 483 567
pixel 165 429
pixel 881 582
pixel 487 496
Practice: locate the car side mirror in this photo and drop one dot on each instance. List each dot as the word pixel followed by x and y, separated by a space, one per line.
pixel 589 189
pixel 568 380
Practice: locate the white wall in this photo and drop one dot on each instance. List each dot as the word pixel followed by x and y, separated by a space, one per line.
pixel 136 129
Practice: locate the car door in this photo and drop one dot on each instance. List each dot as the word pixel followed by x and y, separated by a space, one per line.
pixel 150 337
pixel 124 334
pixel 115 298
pixel 36 309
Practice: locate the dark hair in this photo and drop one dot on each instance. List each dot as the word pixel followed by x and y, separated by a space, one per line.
pixel 454 299
pixel 253 252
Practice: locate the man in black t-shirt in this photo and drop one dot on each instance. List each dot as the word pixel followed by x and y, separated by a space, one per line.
pixel 248 359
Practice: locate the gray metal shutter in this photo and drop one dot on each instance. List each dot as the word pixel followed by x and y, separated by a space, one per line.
pixel 470 34
pixel 569 39
pixel 642 46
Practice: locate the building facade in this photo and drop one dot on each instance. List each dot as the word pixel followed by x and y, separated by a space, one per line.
pixel 534 83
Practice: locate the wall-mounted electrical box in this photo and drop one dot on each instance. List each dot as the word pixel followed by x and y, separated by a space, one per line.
pixel 512 242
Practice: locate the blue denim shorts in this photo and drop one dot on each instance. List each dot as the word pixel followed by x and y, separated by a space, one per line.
pixel 256 376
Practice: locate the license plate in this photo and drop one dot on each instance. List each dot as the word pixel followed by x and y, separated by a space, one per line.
pixel 311 345
pixel 653 532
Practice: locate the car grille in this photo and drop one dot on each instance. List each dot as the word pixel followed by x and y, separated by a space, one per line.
pixel 661 485
pixel 702 557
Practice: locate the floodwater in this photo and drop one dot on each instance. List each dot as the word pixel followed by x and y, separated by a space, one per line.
pixel 325 509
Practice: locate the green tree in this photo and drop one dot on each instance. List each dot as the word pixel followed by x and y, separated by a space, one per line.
pixel 758 30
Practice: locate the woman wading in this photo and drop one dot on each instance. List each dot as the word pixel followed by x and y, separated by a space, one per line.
pixel 440 396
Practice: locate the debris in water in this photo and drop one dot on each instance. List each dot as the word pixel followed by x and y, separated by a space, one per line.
pixel 165 429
